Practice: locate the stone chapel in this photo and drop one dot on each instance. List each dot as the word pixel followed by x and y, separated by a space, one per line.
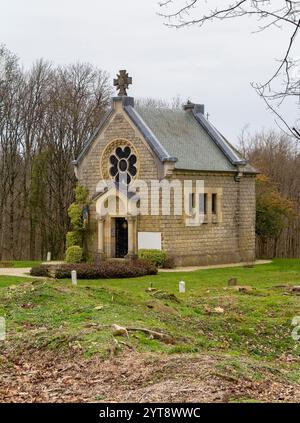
pixel 149 144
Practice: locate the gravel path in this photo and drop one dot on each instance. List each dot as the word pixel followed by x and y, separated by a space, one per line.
pixel 15 271
pixel 214 266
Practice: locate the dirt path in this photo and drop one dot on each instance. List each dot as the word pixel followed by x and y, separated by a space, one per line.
pixel 132 377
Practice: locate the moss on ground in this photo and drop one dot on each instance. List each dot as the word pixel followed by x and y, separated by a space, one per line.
pixel 254 329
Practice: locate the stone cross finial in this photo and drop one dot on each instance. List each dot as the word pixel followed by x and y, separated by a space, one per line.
pixel 122 82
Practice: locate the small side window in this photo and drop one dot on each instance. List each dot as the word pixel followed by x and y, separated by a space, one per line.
pixel 203 203
pixel 214 203
pixel 191 202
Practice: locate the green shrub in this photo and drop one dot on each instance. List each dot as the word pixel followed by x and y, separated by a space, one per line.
pixel 156 257
pixel 42 270
pixel 109 269
pixel 74 254
pixel 81 195
pixel 169 263
pixel 73 238
pixel 75 215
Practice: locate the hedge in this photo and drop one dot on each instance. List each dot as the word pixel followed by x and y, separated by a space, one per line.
pixel 109 269
pixel 41 270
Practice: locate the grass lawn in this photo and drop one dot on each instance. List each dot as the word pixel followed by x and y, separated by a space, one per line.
pixel 23 263
pixel 6 281
pixel 251 338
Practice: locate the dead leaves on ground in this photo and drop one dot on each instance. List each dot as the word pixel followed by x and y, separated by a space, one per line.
pixel 132 377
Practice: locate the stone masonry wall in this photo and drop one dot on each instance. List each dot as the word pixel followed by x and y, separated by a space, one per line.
pixel 230 240
pixel 89 171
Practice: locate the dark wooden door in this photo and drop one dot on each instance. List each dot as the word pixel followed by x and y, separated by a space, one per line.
pixel 121 237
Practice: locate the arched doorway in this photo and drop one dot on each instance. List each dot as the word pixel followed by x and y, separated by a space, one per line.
pixel 121 237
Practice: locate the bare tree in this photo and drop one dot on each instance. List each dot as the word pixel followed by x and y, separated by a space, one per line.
pixel 277 157
pixel 284 83
pixel 78 98
pixel 156 103
pixel 10 135
pixel 46 116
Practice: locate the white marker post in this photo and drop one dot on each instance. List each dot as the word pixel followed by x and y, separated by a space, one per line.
pixel 182 287
pixel 2 329
pixel 49 256
pixel 74 277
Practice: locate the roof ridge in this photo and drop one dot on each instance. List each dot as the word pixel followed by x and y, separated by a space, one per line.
pixel 219 140
pixel 137 106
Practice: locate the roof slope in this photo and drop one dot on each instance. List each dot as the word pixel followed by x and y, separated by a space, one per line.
pixel 183 136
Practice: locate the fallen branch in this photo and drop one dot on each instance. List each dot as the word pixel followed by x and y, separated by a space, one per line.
pixel 167 339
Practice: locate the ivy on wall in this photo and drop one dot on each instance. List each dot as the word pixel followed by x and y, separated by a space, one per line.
pixel 78 216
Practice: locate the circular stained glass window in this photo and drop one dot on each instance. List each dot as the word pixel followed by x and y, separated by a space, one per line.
pixel 123 165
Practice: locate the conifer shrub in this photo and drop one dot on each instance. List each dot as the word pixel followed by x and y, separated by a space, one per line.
pixel 74 254
pixel 73 238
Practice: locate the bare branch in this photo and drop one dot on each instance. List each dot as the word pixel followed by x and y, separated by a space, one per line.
pixel 285 12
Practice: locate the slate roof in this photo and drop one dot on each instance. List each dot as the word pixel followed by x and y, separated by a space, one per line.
pixel 184 137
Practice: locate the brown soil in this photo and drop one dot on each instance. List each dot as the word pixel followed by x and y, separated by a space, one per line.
pixel 130 377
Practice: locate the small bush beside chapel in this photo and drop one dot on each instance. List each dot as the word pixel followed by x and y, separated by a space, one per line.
pixel 76 237
pixel 156 257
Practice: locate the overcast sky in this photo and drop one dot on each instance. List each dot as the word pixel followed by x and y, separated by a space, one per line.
pixel 213 65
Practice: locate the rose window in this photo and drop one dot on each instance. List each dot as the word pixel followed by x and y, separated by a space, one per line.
pixel 123 165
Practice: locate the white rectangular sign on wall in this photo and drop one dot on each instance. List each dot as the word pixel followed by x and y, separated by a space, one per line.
pixel 149 240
